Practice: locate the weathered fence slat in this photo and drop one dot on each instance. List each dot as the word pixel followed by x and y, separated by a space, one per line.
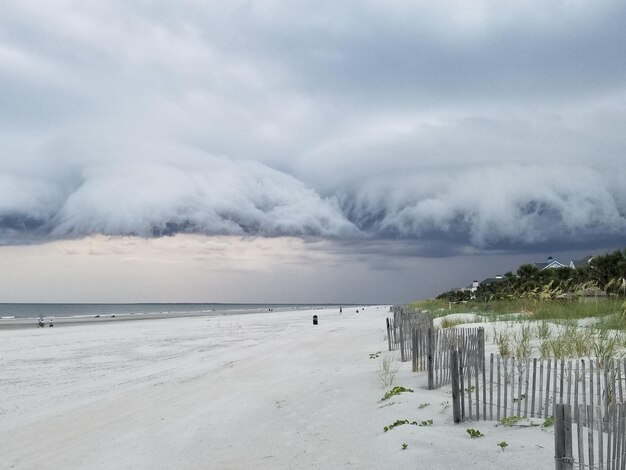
pixel 563 457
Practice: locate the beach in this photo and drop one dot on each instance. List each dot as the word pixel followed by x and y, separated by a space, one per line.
pixel 268 390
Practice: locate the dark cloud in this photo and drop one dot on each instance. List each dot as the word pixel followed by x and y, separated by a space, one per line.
pixel 410 128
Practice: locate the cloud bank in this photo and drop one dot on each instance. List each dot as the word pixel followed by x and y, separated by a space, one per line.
pixel 453 129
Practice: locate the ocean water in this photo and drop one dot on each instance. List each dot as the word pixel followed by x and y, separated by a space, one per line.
pixel 9 311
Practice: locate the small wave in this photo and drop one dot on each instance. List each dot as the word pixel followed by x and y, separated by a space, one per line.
pixel 8 317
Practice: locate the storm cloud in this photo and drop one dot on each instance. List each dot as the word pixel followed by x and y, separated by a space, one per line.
pixel 455 128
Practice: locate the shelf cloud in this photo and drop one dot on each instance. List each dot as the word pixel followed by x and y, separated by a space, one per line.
pixel 446 129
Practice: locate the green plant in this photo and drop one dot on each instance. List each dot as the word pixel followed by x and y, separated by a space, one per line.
pixel 469 389
pixel 404 445
pixel 578 341
pixel 474 433
pixel 375 355
pixel 604 346
pixel 523 347
pixel 451 322
pixel 395 391
pixel 542 330
pixel 549 421
pixel 504 344
pixel 397 423
pixel 558 347
pixel 503 445
pixel 423 405
pixel 388 370
pixel 511 420
pixel 428 422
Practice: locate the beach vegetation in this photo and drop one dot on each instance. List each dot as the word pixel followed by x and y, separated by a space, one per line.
pixel 523 346
pixel 597 289
pixel 511 420
pixel 421 406
pixel 469 389
pixel 451 322
pixel 404 445
pixel 428 422
pixel 503 445
pixel 474 433
pixel 388 370
pixel 604 346
pixel 503 340
pixel 397 423
pixel 395 391
pixel 543 330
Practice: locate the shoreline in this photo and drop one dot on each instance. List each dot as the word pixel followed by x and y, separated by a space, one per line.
pixel 77 320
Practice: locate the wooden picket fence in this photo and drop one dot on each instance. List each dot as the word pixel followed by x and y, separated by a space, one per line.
pixel 399 329
pixel 430 350
pixel 600 439
pixel 506 387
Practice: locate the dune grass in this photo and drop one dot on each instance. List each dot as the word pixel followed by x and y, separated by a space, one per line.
pixel 533 309
pixel 599 340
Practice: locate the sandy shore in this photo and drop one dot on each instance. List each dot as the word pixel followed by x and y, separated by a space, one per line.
pixel 267 391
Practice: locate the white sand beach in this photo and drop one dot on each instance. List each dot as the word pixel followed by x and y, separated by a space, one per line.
pixel 267 391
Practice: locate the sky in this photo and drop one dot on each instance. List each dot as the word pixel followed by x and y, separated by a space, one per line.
pixel 290 151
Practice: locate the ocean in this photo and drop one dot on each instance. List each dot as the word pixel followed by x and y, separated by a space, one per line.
pixel 24 310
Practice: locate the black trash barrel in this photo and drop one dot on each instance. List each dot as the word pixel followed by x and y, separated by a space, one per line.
pixel 315 319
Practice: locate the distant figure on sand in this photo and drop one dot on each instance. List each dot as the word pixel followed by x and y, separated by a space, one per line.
pixel 340 310
pixel 40 322
pixel 51 322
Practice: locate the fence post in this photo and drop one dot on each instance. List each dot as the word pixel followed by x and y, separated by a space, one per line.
pixel 563 458
pixel 401 331
pixel 454 372
pixel 388 334
pixel 431 353
pixel 482 359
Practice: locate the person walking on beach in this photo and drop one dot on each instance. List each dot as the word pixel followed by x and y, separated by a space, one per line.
pixel 51 324
pixel 40 322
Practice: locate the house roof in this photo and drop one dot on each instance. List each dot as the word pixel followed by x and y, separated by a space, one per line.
pixel 580 263
pixel 549 265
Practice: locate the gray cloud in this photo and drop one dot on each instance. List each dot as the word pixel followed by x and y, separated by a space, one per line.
pixel 455 129
pixel 155 197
